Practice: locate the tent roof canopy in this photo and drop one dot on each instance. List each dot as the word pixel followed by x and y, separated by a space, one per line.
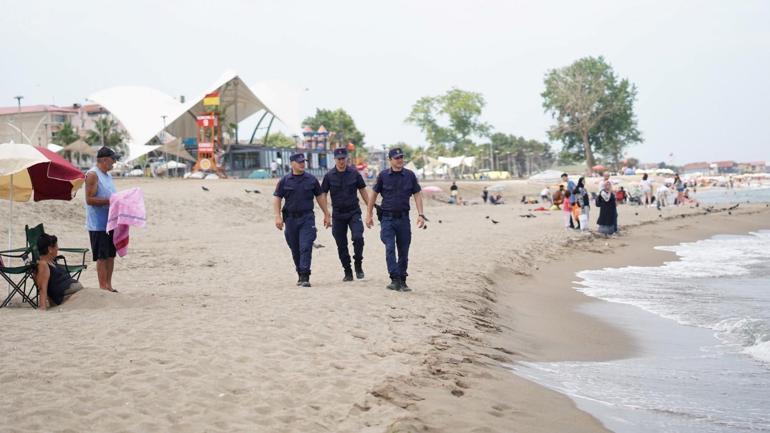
pixel 142 110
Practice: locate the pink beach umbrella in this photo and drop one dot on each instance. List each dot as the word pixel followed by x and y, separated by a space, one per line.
pixel 32 172
pixel 431 189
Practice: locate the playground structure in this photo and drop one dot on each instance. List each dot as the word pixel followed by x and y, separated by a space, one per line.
pixel 210 149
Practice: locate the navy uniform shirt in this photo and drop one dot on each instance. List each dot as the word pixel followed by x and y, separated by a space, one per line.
pixel 298 191
pixel 396 187
pixel 343 186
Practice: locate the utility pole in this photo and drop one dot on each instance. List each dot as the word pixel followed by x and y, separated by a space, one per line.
pixel 491 158
pixel 101 129
pixel 235 83
pixel 163 141
pixel 18 117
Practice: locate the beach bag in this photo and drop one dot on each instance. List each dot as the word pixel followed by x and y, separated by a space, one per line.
pixel 583 221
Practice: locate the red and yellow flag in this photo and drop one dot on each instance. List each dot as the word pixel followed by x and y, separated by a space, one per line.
pixel 211 99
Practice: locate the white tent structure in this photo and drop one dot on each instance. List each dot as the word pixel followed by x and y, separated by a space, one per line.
pixel 547 177
pixel 457 161
pixel 142 110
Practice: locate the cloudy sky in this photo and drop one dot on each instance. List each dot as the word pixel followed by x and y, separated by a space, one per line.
pixel 702 68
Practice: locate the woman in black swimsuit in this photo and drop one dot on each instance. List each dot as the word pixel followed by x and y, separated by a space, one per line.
pixel 53 282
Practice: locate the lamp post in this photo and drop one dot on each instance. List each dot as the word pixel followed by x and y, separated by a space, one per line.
pixel 384 156
pixel 163 142
pixel 18 117
pixel 491 157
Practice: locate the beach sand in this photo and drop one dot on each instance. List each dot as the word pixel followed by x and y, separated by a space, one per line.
pixel 210 333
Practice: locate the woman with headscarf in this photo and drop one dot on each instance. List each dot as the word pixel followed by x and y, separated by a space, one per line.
pixel 608 212
pixel 584 201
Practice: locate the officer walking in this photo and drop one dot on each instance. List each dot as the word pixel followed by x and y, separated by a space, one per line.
pixel 298 190
pixel 343 181
pixel 396 184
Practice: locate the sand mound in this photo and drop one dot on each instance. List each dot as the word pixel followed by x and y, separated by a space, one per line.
pixel 93 299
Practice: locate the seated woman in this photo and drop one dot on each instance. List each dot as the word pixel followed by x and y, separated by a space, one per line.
pixel 53 282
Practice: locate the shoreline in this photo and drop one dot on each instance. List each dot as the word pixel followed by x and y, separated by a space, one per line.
pixel 566 332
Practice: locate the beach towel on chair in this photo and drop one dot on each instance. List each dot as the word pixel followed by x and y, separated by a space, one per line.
pixel 126 210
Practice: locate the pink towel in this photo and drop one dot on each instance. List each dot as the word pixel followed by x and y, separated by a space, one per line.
pixel 126 209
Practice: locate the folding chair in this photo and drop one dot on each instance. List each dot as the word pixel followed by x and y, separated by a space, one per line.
pixel 34 233
pixel 26 286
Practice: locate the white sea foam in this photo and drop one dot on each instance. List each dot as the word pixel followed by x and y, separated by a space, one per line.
pixel 722 284
pixel 760 351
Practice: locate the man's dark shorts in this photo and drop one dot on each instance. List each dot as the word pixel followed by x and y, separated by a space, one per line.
pixel 102 245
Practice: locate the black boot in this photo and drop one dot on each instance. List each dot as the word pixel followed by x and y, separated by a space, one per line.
pixel 305 280
pixel 359 271
pixel 299 279
pixel 404 287
pixel 395 284
pixel 348 275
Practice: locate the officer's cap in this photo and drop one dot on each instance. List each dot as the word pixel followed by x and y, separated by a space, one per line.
pixel 395 152
pixel 340 153
pixel 297 157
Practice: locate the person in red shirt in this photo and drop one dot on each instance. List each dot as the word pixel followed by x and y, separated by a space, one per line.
pixel 620 195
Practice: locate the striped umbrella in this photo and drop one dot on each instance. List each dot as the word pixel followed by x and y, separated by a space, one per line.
pixel 34 172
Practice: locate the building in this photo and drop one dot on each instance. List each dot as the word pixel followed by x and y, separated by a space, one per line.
pixel 726 167
pixel 752 167
pixel 36 124
pixel 697 167
pixel 241 160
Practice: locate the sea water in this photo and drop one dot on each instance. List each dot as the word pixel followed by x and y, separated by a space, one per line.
pixel 703 323
pixel 753 194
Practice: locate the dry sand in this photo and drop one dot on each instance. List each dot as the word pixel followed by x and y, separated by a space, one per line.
pixel 209 332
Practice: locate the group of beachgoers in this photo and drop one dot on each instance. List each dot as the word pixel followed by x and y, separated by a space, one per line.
pixel 662 196
pixel 576 201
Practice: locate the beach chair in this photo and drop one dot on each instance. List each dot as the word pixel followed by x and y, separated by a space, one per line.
pixel 34 233
pixel 25 284
pixel 19 277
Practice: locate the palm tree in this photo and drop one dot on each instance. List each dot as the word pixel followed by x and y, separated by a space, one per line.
pixel 107 133
pixel 66 134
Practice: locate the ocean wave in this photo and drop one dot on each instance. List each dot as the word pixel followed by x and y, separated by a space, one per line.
pixel 759 351
pixel 719 283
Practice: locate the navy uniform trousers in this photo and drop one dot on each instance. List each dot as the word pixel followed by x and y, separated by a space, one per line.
pixel 300 233
pixel 340 225
pixel 396 234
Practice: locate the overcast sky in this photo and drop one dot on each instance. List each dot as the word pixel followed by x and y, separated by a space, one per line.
pixel 702 68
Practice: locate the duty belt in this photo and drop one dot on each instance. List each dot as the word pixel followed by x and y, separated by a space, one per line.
pixel 392 214
pixel 296 214
pixel 346 209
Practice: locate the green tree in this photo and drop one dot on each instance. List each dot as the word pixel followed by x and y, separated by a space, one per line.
pixel 340 124
pixel 66 135
pixel 450 121
pixel 520 156
pixel 279 139
pixel 106 131
pixel 593 109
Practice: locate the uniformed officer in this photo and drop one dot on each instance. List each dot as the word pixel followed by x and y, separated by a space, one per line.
pixel 396 184
pixel 298 190
pixel 343 181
